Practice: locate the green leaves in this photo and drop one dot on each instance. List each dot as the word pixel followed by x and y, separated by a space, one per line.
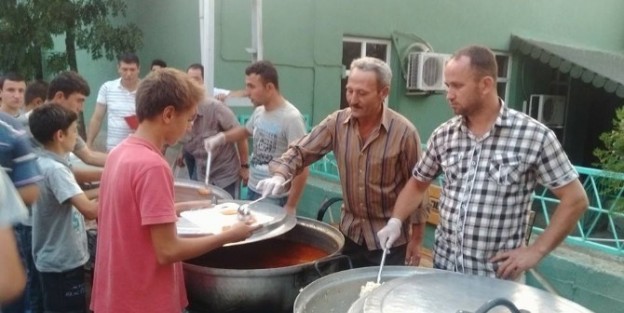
pixel 28 29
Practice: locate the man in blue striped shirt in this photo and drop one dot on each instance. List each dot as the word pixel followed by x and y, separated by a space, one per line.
pixel 19 161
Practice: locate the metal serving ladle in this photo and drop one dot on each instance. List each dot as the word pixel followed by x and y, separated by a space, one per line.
pixel 208 163
pixel 244 211
pixel 381 265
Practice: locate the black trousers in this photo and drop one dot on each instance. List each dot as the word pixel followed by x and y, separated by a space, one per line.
pixel 64 292
pixel 362 257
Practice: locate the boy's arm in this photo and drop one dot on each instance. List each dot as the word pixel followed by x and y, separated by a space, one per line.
pixel 29 193
pixel 170 248
pixel 298 184
pixel 12 274
pixel 96 123
pixel 92 193
pixel 85 175
pixel 91 157
pixel 88 208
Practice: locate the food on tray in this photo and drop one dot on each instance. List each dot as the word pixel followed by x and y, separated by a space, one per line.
pixel 221 217
pixel 229 211
pixel 204 191
pixel 368 288
pixel 228 208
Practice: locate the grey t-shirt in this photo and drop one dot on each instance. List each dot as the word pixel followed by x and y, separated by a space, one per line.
pixel 59 239
pixel 272 132
pixel 12 208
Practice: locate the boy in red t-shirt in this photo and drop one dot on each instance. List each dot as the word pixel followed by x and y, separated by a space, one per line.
pixel 137 266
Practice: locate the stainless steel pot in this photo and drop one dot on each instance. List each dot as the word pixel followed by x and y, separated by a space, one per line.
pixel 418 289
pixel 338 291
pixel 214 289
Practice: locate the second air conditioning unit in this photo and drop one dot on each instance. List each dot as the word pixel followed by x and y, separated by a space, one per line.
pixel 425 71
pixel 548 109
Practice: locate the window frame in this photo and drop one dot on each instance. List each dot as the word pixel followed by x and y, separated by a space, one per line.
pixel 364 41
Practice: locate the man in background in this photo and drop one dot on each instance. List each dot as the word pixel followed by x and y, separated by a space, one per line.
pixel 157 64
pixel 116 100
pixel 35 95
pixel 12 93
pixel 229 164
pixel 274 124
pixel 70 90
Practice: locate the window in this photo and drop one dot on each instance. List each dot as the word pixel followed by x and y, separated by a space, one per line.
pixel 353 48
pixel 504 68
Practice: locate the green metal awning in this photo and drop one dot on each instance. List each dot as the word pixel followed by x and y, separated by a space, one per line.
pixel 602 69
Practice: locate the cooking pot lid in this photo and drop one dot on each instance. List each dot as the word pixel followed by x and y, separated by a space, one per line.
pixel 338 291
pixel 189 190
pixel 442 291
pixel 213 220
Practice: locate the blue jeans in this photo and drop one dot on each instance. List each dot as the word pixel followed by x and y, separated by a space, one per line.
pixel 65 292
pixel 32 298
pixel 252 195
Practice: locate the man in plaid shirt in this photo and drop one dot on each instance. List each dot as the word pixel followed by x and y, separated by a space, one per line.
pixel 492 158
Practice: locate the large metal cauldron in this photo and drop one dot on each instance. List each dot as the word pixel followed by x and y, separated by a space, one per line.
pixel 424 290
pixel 337 292
pixel 221 289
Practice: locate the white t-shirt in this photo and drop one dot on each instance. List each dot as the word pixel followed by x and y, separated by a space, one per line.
pixel 119 103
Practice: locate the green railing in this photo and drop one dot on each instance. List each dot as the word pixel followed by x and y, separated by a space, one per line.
pixel 601 227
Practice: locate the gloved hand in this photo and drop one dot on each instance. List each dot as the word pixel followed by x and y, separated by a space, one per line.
pixel 214 141
pixel 389 234
pixel 271 186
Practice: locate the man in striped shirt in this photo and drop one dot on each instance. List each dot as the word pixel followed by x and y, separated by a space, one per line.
pixel 375 148
pixel 116 99
pixel 492 158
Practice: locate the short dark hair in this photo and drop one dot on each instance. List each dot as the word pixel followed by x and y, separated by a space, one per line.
pixel 196 66
pixel 47 119
pixel 36 89
pixel 158 62
pixel 265 70
pixel 482 60
pixel 12 76
pixel 68 82
pixel 128 58
pixel 163 88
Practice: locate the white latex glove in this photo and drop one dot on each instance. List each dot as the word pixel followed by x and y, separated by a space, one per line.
pixel 214 141
pixel 271 186
pixel 389 234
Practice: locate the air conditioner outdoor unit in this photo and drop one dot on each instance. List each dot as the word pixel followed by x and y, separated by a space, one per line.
pixel 425 71
pixel 548 109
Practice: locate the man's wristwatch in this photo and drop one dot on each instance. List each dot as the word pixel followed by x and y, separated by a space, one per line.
pixel 246 165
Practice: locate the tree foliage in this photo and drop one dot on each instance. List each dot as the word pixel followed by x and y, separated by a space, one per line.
pixel 28 27
pixel 611 157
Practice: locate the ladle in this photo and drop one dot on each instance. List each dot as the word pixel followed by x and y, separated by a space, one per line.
pixel 208 161
pixel 243 210
pixel 381 265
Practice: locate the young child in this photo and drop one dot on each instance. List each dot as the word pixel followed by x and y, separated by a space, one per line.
pixel 137 265
pixel 59 238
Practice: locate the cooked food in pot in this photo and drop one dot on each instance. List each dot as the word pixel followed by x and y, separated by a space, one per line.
pixel 368 288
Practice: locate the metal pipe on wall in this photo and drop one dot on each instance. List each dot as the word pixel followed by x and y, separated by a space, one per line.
pixel 206 39
pixel 257 45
